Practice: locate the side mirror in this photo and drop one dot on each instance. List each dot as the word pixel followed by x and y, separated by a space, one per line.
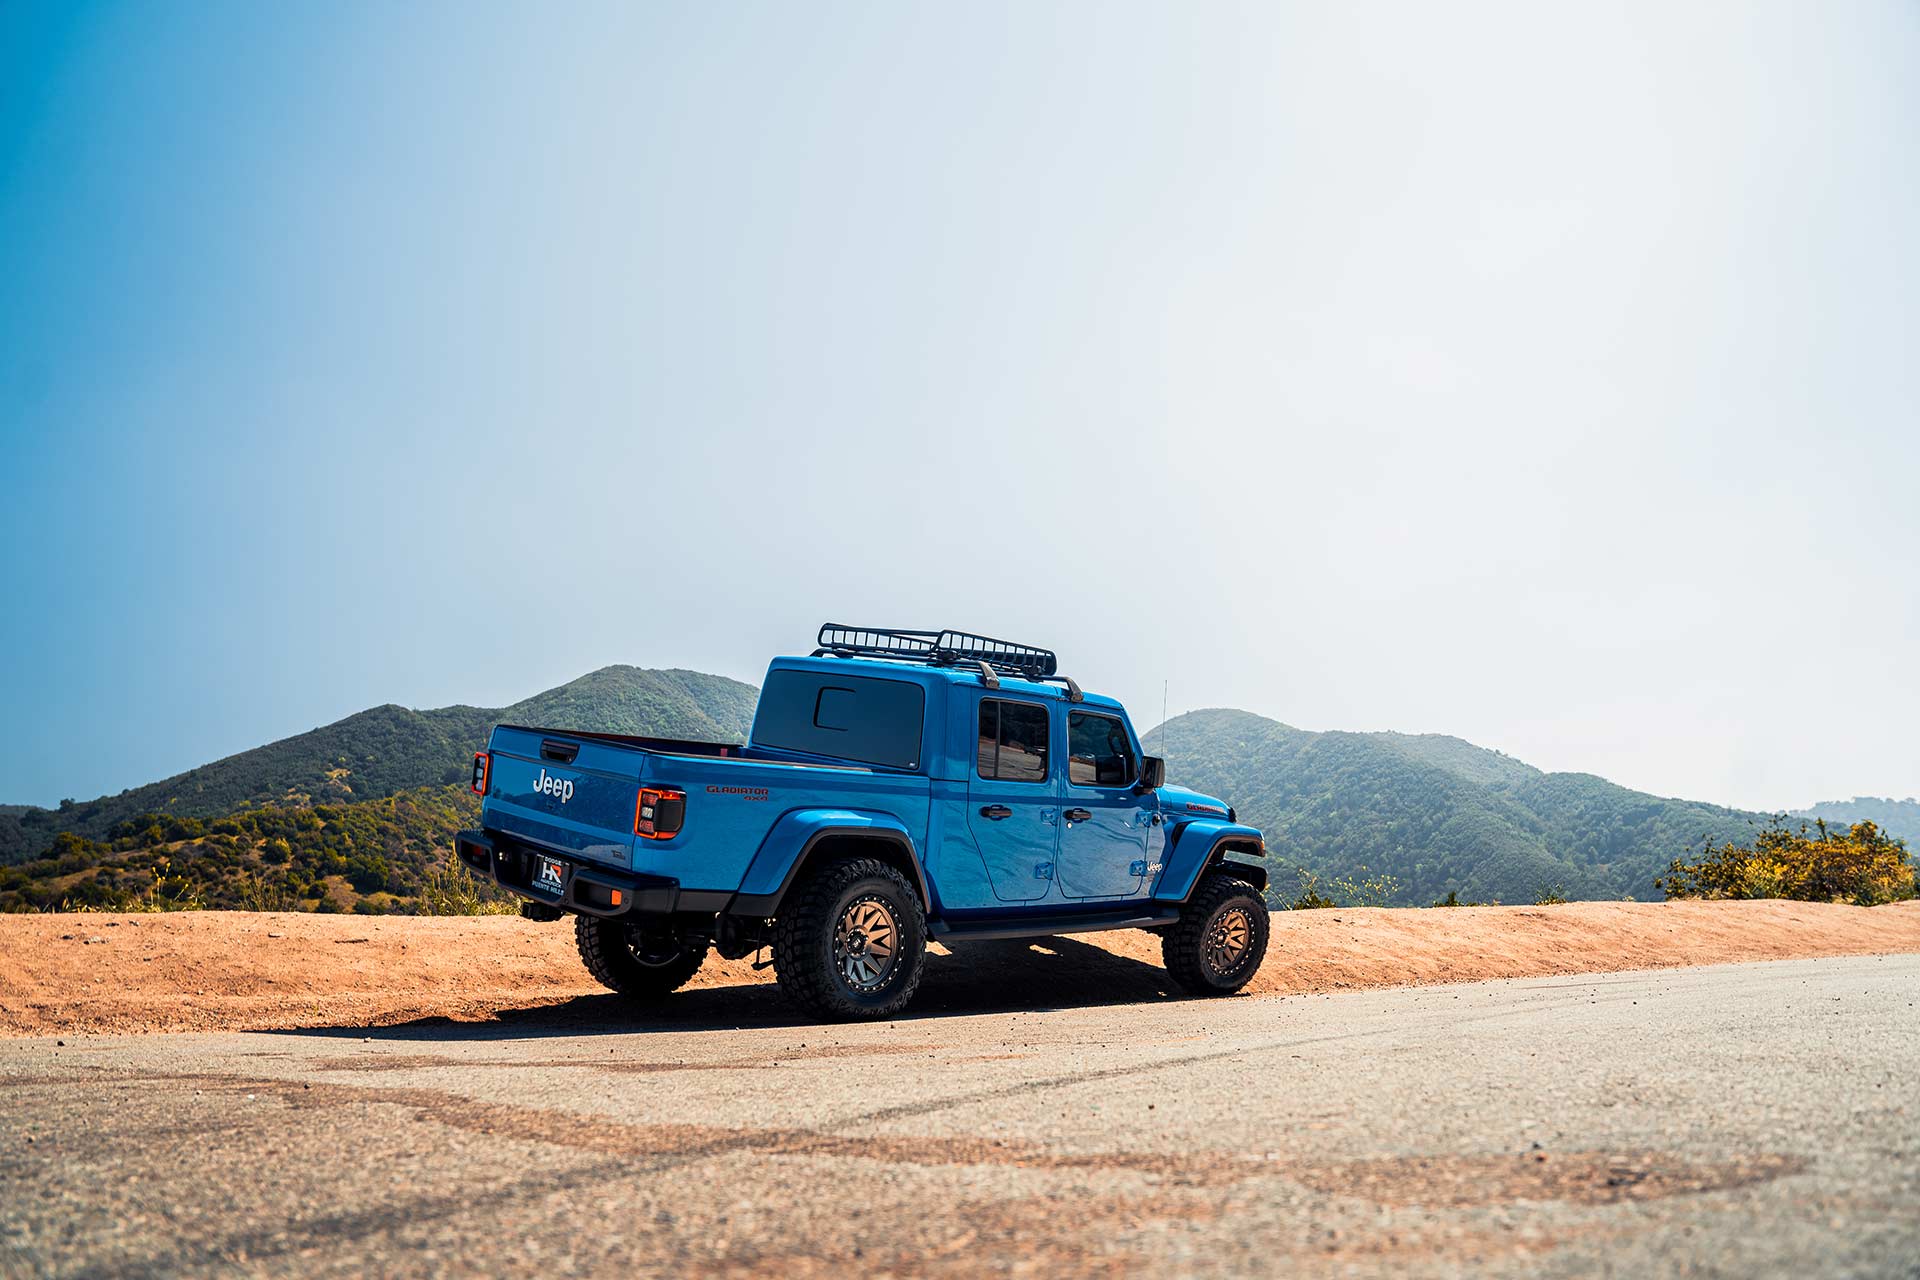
pixel 1153 774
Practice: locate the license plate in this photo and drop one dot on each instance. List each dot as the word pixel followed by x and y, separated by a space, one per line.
pixel 549 876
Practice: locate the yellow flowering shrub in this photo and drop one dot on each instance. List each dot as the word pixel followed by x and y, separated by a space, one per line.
pixel 1815 863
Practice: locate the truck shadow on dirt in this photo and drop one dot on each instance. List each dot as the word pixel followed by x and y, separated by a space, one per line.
pixel 1040 975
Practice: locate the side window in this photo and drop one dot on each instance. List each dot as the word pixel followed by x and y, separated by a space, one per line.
pixel 1098 752
pixel 1013 741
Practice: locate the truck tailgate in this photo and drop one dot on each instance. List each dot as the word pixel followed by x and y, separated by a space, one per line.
pixel 572 795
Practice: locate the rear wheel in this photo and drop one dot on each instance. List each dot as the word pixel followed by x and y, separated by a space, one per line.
pixel 1220 939
pixel 851 941
pixel 642 959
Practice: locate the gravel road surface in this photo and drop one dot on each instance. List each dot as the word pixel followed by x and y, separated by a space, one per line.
pixel 1743 1120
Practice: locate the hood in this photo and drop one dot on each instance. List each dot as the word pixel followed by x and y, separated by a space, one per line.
pixel 1177 801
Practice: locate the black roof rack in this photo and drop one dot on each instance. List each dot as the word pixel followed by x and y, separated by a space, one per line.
pixel 945 649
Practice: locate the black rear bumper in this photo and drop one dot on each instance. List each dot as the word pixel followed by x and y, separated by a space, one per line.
pixel 586 888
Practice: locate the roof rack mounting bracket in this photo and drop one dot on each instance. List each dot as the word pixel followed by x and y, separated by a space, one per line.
pixel 1073 690
pixel 987 677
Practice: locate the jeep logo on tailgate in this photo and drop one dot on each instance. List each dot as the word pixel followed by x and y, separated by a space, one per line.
pixel 546 786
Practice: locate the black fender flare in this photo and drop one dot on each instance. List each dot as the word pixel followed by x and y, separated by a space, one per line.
pixel 1217 860
pixel 901 847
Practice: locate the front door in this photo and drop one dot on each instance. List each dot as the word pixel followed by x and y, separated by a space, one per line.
pixel 1012 807
pixel 1106 824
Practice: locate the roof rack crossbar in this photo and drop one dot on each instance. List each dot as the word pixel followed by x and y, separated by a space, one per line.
pixel 939 649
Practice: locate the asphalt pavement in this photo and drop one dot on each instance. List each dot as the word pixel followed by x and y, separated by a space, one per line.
pixel 1744 1120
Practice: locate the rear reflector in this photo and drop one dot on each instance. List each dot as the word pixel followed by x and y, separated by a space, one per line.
pixel 658 813
pixel 482 771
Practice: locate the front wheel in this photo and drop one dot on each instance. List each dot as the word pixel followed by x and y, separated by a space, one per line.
pixel 851 941
pixel 642 959
pixel 1220 939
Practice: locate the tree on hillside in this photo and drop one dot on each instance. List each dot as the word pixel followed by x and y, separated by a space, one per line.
pixel 1858 864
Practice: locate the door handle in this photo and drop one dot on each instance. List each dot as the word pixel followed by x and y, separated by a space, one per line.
pixel 1077 815
pixel 995 811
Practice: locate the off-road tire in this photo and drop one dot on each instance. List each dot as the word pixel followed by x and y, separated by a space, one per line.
pixel 1220 908
pixel 806 954
pixel 629 957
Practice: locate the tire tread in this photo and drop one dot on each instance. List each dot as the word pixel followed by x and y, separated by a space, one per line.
pixel 602 947
pixel 808 912
pixel 1180 946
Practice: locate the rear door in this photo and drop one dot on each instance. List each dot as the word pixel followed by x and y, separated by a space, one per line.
pixel 1012 808
pixel 1105 823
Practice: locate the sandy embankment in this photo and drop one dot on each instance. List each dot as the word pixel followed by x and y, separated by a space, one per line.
pixel 238 970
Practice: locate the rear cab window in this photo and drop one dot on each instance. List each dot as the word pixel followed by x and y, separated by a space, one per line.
pixel 1012 741
pixel 1099 751
pixel 842 717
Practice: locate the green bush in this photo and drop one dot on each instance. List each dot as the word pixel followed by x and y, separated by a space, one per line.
pixel 1812 863
pixel 447 890
pixel 1342 891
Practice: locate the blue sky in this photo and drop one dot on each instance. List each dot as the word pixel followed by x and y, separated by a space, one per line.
pixel 1538 374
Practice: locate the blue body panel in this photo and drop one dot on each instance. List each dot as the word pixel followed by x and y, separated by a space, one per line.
pixel 594 819
pixel 750 814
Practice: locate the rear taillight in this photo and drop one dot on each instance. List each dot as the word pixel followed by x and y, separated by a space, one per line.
pixel 658 813
pixel 482 770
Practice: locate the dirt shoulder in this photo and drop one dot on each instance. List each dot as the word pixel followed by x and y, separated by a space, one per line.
pixel 228 970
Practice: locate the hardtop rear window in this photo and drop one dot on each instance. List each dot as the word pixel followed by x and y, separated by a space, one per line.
pixel 842 717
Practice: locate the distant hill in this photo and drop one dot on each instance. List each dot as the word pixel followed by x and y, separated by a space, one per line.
pixel 1438 814
pixel 386 750
pixel 358 815
pixel 1898 818
pixel 379 856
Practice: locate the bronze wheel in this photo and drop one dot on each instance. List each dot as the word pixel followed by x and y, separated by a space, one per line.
pixel 1229 940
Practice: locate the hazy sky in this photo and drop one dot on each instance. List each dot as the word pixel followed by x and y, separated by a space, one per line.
pixel 1545 375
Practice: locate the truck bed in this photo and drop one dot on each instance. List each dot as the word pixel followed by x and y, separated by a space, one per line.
pixel 671 746
pixel 734 796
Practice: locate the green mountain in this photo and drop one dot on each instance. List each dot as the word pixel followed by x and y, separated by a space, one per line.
pixel 378 856
pixel 1438 814
pixel 1898 818
pixel 358 815
pixel 386 750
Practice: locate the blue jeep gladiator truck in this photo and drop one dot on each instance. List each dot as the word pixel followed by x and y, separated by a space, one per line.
pixel 898 786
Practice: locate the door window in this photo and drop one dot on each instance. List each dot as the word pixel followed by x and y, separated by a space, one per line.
pixel 1013 741
pixel 1099 753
